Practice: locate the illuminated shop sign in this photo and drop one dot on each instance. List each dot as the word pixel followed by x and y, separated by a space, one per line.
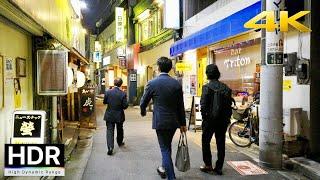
pixel 183 66
pixel 119 24
pixel 238 61
pixel 97 46
pixel 87 101
pixel 171 14
pixel 106 61
pixel 97 56
pixel 28 127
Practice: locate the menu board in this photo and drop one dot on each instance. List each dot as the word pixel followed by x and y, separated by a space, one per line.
pixel 52 72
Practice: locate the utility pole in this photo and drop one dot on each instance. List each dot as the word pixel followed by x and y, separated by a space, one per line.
pixel 315 79
pixel 270 127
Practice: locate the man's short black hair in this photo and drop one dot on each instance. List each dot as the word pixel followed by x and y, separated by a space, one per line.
pixel 164 64
pixel 118 82
pixel 212 72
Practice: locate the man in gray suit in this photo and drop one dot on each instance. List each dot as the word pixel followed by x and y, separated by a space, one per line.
pixel 168 114
pixel 117 102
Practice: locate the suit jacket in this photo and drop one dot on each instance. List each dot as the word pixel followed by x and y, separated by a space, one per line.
pixel 117 102
pixel 206 101
pixel 167 96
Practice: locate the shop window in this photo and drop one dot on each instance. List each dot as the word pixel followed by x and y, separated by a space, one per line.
pixel 238 65
pixel 159 20
pixel 144 30
pixel 193 7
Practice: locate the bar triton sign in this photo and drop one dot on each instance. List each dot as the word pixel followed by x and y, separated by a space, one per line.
pixel 34 160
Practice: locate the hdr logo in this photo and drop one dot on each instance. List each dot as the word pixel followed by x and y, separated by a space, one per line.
pixel 34 160
pixel 270 24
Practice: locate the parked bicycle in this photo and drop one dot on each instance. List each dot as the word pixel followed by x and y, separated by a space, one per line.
pixel 245 130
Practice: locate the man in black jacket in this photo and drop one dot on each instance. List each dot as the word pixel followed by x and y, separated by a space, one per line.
pixel 168 114
pixel 116 100
pixel 214 124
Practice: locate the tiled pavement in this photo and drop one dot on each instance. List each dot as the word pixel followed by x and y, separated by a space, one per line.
pixel 140 157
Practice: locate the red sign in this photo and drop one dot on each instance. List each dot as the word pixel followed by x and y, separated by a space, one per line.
pixel 132 56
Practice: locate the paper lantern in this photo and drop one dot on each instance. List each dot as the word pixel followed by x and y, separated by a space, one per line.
pixel 69 76
pixel 81 79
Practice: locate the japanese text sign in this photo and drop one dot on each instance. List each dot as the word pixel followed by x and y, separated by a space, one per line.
pixel 28 127
pixel 87 101
pixel 119 24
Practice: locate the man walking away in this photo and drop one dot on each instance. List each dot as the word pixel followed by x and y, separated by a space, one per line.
pixel 117 102
pixel 216 111
pixel 168 113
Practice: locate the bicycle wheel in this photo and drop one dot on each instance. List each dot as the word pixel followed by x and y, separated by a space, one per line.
pixel 239 133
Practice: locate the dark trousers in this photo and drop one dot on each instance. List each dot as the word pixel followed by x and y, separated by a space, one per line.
pixel 220 134
pixel 165 139
pixel 110 133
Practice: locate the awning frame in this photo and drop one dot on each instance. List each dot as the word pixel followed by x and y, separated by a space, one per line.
pixel 223 29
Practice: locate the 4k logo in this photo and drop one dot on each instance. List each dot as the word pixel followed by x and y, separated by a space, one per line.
pixel 270 24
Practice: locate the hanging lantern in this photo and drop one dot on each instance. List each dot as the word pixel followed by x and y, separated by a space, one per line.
pixel 81 79
pixel 69 76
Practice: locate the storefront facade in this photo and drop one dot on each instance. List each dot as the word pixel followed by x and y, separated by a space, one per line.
pixel 114 61
pixel 20 46
pixel 154 40
pixel 238 59
pixel 22 32
pixel 223 40
pixel 147 68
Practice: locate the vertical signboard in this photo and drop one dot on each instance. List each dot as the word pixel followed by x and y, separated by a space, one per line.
pixel 106 61
pixel 97 56
pixel 171 14
pixel 87 107
pixel 28 127
pixel 87 101
pixel 274 40
pixel 52 72
pixel 193 85
pixel 122 62
pixel 132 56
pixel 119 24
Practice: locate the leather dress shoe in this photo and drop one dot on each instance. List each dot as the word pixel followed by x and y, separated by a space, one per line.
pixel 162 172
pixel 206 169
pixel 110 151
pixel 121 144
pixel 217 171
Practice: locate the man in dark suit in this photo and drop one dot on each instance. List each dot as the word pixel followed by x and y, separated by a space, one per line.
pixel 168 113
pixel 117 102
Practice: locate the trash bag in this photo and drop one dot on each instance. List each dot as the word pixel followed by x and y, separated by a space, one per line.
pixel 182 157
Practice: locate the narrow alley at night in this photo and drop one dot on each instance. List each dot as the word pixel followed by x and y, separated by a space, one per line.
pixel 159 89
